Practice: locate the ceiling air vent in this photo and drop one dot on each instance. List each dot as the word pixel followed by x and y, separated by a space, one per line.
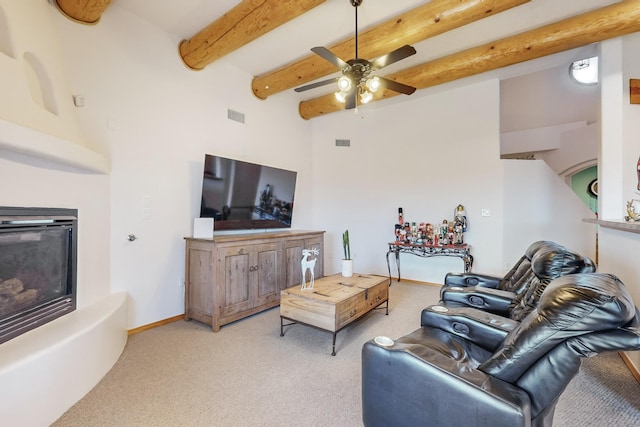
pixel 343 142
pixel 235 116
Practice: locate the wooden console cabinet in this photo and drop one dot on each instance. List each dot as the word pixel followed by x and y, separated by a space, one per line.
pixel 234 276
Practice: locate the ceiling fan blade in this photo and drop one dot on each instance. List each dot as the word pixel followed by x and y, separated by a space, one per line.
pixel 391 57
pixel 316 84
pixel 395 86
pixel 329 56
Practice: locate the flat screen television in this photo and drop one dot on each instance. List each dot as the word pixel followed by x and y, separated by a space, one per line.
pixel 244 196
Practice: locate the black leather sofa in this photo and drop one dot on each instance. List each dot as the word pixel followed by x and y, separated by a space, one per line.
pixel 517 293
pixel 492 376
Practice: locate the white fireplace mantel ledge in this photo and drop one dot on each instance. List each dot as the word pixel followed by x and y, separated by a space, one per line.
pixel 622 225
pixel 29 142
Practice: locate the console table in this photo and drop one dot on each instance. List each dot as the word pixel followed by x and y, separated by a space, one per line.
pixel 426 251
pixel 230 277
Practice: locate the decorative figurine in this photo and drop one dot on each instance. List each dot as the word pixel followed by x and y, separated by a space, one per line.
pixel 633 210
pixel 461 217
pixel 307 264
pixel 459 225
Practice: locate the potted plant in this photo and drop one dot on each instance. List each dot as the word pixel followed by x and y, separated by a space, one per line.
pixel 347 262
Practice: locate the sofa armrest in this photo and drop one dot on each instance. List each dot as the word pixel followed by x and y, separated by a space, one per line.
pixel 411 385
pixel 488 299
pixel 472 279
pixel 486 330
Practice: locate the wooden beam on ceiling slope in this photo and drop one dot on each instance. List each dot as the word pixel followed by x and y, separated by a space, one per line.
pixel 616 20
pixel 83 11
pixel 423 22
pixel 246 22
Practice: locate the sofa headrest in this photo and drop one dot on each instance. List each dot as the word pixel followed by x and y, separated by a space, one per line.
pixel 570 306
pixel 553 261
pixel 536 246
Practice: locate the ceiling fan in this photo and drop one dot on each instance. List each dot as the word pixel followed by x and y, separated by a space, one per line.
pixel 356 76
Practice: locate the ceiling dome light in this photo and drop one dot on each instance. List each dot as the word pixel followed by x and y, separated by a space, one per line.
pixel 585 71
pixel 344 83
pixel 373 84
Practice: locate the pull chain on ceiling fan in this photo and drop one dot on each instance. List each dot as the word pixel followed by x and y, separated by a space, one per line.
pixel 356 76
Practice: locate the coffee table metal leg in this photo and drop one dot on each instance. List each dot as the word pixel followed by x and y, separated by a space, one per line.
pixel 334 344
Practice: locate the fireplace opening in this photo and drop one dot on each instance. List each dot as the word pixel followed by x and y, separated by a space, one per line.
pixel 38 251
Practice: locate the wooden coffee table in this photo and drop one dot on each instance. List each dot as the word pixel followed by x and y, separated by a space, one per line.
pixel 334 302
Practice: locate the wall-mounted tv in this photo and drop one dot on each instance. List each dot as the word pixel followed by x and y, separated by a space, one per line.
pixel 243 196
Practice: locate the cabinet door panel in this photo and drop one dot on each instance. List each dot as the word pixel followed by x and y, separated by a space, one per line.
pixel 201 280
pixel 293 256
pixel 266 273
pixel 237 295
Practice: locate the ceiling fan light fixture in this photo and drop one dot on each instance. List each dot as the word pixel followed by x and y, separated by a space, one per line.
pixel 344 84
pixel 355 80
pixel 365 96
pixel 341 96
pixel 373 84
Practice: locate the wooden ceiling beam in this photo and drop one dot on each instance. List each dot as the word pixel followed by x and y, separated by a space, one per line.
pixel 423 22
pixel 83 11
pixel 616 20
pixel 246 22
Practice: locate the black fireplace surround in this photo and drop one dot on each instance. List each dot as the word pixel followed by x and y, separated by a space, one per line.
pixel 38 263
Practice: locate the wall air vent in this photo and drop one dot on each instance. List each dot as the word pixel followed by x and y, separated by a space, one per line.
pixel 343 142
pixel 235 116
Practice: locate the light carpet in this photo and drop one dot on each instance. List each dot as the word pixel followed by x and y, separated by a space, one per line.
pixel 182 374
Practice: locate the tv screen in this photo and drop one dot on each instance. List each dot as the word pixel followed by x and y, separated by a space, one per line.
pixel 243 196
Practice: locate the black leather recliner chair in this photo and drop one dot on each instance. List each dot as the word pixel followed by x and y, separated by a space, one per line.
pixel 436 376
pixel 513 281
pixel 518 292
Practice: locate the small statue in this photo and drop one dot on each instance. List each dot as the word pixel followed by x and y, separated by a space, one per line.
pixel 457 234
pixel 633 210
pixel 461 217
pixel 308 264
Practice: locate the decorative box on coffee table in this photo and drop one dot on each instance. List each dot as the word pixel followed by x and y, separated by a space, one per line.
pixel 334 302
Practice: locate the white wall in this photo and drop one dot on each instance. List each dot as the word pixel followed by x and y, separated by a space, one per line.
pixel 426 155
pixel 539 206
pixel 158 119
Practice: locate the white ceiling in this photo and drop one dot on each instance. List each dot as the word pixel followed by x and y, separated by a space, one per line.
pixel 334 20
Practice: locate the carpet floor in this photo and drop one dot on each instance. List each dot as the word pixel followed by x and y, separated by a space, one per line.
pixel 182 374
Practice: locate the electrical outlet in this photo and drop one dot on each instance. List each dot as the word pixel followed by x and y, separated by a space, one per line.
pixel 486 212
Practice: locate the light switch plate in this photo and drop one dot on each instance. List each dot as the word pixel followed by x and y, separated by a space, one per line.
pixel 486 212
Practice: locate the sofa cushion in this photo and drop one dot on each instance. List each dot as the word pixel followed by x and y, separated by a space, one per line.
pixel 570 306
